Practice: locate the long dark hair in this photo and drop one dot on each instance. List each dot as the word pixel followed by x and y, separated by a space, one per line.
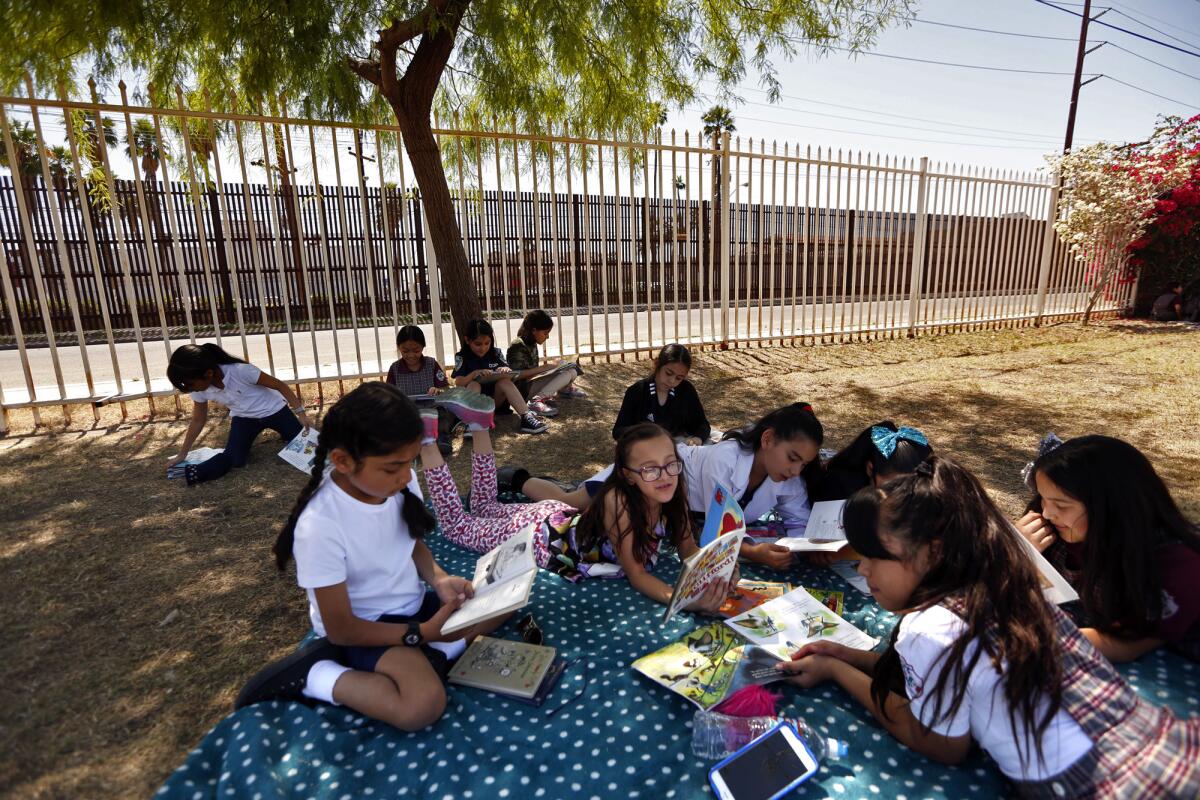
pixel 676 518
pixel 536 320
pixel 376 419
pixel 977 566
pixel 477 328
pixel 855 456
pixel 410 333
pixel 795 421
pixel 1130 514
pixel 191 362
pixel 672 354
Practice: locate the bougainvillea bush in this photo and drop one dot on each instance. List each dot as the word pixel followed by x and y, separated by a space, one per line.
pixel 1169 249
pixel 1119 206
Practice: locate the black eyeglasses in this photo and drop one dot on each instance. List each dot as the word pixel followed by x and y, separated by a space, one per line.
pixel 530 632
pixel 651 474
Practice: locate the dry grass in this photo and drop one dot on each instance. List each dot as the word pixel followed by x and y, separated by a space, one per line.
pixel 102 697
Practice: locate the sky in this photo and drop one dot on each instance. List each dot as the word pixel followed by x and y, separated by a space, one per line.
pixel 970 116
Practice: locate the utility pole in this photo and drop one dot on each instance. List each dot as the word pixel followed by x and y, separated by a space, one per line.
pixel 1076 85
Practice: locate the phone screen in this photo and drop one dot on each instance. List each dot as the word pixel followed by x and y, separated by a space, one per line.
pixel 767 768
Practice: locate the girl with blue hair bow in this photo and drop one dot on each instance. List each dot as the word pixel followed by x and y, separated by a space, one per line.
pixel 877 455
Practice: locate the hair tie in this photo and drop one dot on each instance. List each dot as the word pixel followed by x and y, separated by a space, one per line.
pixel 1049 443
pixel 805 407
pixel 885 440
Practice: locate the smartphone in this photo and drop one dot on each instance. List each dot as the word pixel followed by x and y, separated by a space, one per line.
pixel 768 767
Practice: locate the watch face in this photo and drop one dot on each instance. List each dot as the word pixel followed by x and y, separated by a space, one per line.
pixel 412 638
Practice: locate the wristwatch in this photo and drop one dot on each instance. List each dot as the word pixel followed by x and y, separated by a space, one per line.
pixel 413 638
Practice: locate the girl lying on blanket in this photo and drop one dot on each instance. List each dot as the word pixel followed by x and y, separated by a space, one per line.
pixel 767 465
pixel 357 539
pixel 256 401
pixel 641 504
pixel 877 455
pixel 982 655
pixel 1106 520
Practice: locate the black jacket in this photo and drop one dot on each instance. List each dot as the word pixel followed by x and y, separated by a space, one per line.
pixel 683 414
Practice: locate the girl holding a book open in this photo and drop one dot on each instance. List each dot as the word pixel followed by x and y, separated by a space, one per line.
pixel 981 655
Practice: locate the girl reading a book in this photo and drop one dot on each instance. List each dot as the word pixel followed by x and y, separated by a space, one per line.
pixel 256 401
pixel 415 373
pixel 479 366
pixel 878 454
pixel 667 397
pixel 357 537
pixel 540 384
pixel 1106 520
pixel 980 655
pixel 641 504
pixel 768 466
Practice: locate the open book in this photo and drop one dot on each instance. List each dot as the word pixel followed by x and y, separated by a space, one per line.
pixel 716 560
pixel 503 579
pixel 301 451
pixel 824 532
pixel 1054 585
pixel 709 664
pixel 794 620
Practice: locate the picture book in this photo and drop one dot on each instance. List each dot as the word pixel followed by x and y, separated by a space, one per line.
pixel 1054 586
pixel 848 571
pixel 793 621
pixel 769 588
pixel 834 601
pixel 716 560
pixel 197 456
pixel 724 515
pixel 301 451
pixel 709 664
pixel 503 579
pixel 741 600
pixel 503 666
pixel 824 531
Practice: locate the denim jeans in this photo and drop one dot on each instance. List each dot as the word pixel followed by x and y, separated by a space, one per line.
pixel 242 433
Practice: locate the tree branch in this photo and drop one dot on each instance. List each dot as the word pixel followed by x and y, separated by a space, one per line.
pixel 367 70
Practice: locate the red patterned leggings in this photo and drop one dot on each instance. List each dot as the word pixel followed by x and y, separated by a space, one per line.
pixel 490 521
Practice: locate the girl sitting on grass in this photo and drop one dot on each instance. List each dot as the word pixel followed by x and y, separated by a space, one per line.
pixel 479 366
pixel 416 373
pixel 256 401
pixel 668 398
pixel 358 540
pixel 982 656
pixel 1106 520
pixel 767 466
pixel 640 505
pixel 536 386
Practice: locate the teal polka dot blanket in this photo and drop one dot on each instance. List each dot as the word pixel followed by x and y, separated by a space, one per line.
pixel 604 732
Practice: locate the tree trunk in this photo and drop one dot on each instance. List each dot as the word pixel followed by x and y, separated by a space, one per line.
pixel 218 241
pixel 289 212
pixel 442 224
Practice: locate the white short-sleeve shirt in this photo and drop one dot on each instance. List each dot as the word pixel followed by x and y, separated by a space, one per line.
pixel 924 639
pixel 366 546
pixel 242 394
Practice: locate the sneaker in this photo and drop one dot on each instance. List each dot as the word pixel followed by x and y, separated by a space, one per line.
pixel 459 429
pixel 285 679
pixel 429 421
pixel 572 393
pixel 543 409
pixel 511 479
pixel 477 410
pixel 445 446
pixel 531 424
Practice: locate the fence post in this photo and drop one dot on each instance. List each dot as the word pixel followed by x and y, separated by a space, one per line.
pixel 723 238
pixel 435 289
pixel 918 255
pixel 1047 251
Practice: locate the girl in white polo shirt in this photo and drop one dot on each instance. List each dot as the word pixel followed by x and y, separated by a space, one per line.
pixel 256 401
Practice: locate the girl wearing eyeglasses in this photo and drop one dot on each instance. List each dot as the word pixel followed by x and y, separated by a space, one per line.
pixel 641 504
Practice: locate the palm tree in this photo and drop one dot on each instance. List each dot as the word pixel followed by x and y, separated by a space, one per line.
pixel 25 144
pixel 142 145
pixel 718 121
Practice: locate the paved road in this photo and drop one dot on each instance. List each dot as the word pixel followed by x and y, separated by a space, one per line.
pixel 371 350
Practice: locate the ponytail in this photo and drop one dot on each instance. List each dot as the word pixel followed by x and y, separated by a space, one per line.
pixel 375 419
pixel 191 362
pixel 536 320
pixel 797 420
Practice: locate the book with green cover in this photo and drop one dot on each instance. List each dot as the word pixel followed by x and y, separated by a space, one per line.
pixel 503 666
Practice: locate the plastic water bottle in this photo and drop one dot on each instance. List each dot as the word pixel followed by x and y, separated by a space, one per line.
pixel 716 735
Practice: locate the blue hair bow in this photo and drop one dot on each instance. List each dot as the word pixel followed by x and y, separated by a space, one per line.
pixel 885 440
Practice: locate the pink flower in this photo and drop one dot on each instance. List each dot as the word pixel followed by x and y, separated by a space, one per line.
pixel 1165 207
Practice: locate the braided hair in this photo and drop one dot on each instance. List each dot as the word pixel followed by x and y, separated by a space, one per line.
pixel 376 419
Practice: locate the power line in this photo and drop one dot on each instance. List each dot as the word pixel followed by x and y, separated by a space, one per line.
pixel 1118 28
pixel 1152 61
pixel 992 30
pixel 947 63
pixel 1147 91
pixel 1168 23
pixel 1137 21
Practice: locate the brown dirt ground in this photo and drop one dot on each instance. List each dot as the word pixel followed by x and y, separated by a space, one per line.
pixel 103 697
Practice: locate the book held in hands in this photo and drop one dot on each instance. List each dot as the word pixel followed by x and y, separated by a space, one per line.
pixel 503 579
pixel 717 558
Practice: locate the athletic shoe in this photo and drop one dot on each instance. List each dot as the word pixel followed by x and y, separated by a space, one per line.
pixel 511 479
pixel 543 409
pixel 572 393
pixel 531 424
pixel 477 410
pixel 285 679
pixel 429 420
